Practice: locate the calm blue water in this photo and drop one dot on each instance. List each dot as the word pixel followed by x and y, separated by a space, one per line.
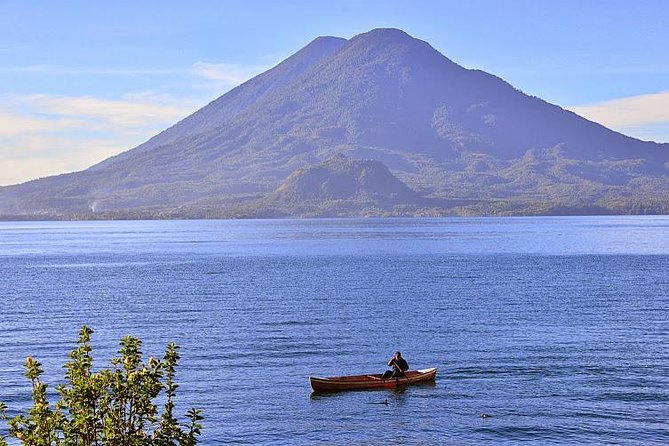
pixel 558 328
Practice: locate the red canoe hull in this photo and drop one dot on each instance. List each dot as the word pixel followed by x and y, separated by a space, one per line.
pixel 371 381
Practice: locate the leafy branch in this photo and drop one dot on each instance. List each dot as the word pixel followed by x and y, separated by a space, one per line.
pixel 113 406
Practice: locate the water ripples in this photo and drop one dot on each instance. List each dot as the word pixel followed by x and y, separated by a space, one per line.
pixel 552 348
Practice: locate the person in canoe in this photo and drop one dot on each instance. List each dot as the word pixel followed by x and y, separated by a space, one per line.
pixel 399 366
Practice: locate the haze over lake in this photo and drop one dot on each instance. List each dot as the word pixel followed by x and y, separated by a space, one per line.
pixel 555 327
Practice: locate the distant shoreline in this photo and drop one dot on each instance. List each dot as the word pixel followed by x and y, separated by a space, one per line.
pixel 149 217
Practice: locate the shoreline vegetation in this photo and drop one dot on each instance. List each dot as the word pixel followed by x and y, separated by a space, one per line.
pixel 353 210
pixel 113 406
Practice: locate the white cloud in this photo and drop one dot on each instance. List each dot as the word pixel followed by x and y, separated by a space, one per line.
pixel 645 116
pixel 136 112
pixel 51 134
pixel 12 124
pixel 47 134
pixel 647 109
pixel 229 74
pixel 18 171
pixel 36 157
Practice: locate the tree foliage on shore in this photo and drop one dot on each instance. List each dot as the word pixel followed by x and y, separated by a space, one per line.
pixel 113 406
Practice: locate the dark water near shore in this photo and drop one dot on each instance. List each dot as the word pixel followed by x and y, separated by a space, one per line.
pixel 558 328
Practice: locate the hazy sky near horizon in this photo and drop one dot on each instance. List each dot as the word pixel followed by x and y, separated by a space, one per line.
pixel 84 80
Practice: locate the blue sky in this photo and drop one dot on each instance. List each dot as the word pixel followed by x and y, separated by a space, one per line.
pixel 83 80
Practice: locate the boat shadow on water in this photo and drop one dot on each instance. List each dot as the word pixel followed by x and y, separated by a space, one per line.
pixel 399 390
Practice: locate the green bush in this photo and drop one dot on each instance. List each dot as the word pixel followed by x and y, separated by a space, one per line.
pixel 113 406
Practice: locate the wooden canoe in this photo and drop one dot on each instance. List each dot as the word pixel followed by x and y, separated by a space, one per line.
pixel 371 382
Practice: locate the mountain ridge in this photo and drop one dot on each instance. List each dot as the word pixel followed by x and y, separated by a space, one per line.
pixel 450 134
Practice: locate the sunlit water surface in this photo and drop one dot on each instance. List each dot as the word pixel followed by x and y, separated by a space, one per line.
pixel 557 328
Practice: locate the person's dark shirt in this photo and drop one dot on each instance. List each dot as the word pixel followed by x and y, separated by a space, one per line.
pixel 401 364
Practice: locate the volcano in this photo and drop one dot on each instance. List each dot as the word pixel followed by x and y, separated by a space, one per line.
pixel 381 124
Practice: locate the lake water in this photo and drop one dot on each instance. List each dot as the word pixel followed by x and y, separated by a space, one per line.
pixel 557 328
